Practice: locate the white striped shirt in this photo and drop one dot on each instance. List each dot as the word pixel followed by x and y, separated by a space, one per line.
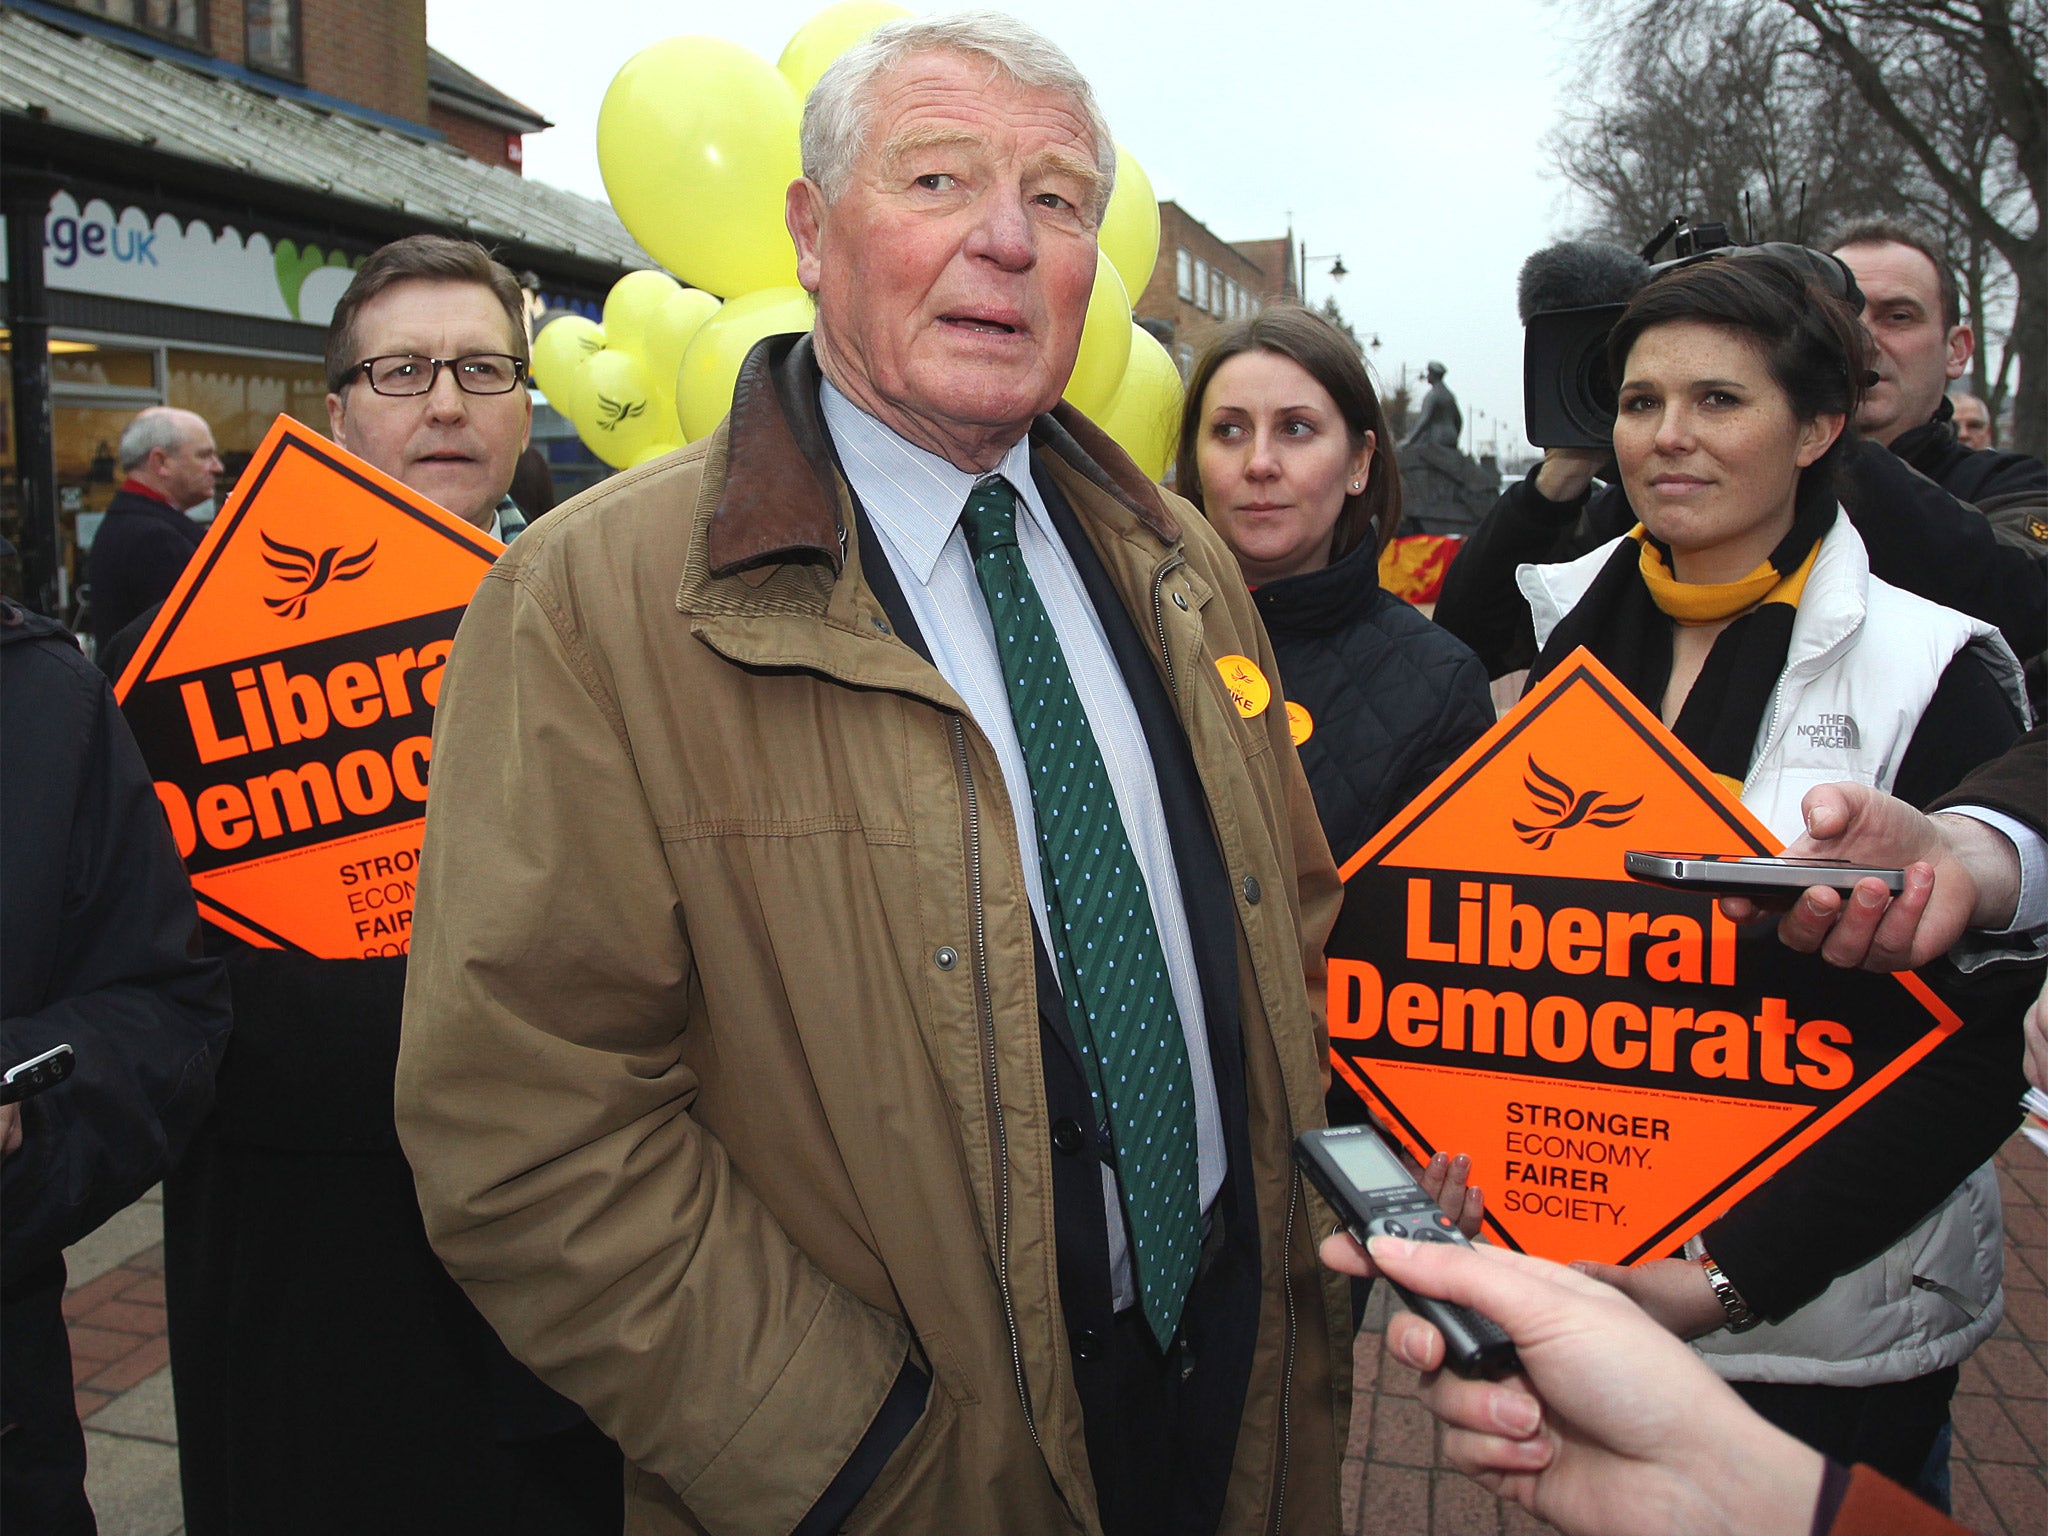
pixel 913 500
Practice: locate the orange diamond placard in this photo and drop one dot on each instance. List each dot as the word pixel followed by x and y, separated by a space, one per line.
pixel 284 697
pixel 1620 1061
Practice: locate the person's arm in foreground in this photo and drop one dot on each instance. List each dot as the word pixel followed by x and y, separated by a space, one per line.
pixel 1529 525
pixel 126 988
pixel 1611 1427
pixel 546 1111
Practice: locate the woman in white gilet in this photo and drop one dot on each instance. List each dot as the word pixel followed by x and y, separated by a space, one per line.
pixel 1841 1297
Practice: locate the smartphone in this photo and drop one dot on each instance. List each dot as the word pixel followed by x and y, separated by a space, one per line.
pixel 1374 1192
pixel 31 1077
pixel 1719 874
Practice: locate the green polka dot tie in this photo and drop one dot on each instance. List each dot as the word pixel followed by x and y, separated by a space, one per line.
pixel 1110 962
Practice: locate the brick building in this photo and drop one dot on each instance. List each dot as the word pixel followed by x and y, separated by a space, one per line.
pixel 1201 280
pixel 188 185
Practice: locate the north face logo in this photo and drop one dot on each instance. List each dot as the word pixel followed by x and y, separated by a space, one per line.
pixel 1833 731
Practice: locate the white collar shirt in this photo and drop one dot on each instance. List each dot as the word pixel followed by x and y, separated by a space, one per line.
pixel 913 499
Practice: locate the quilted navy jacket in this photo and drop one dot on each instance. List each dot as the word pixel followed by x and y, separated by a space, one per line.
pixel 1393 698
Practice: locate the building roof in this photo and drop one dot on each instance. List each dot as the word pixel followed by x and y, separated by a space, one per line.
pixel 158 107
pixel 450 85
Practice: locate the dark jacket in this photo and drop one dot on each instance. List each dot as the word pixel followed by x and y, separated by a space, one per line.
pixel 294 1254
pixel 97 931
pixel 137 557
pixel 1392 697
pixel 2015 783
pixel 1915 505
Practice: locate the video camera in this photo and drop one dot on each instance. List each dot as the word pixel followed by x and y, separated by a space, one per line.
pixel 1570 296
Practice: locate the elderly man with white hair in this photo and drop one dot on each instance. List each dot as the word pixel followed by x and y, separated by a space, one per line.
pixel 868 969
pixel 142 547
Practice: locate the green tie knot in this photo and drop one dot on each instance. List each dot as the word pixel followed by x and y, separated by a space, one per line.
pixel 990 517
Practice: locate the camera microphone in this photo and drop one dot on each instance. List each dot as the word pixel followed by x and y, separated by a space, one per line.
pixel 1569 296
pixel 1578 274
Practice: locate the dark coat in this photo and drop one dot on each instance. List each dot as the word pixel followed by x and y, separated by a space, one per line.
pixel 138 555
pixel 98 931
pixel 1394 698
pixel 330 1377
pixel 2016 783
pixel 1915 505
pixel 314 1335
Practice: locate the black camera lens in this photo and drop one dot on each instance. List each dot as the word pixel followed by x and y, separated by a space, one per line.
pixel 1568 392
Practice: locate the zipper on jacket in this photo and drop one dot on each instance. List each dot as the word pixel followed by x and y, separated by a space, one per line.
pixel 1287 1359
pixel 1159 576
pixel 986 1005
pixel 1159 620
pixel 1770 737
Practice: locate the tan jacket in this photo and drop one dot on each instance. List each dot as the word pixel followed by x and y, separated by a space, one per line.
pixel 706 1116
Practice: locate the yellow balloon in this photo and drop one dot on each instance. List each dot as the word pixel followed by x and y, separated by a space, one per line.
pixel 711 367
pixel 670 330
pixel 561 349
pixel 653 452
pixel 1105 345
pixel 631 304
pixel 1129 236
pixel 827 35
pixel 625 417
pixel 1145 416
pixel 697 143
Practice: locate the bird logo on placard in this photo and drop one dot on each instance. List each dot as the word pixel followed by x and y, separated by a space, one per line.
pixel 611 412
pixel 1567 808
pixel 308 572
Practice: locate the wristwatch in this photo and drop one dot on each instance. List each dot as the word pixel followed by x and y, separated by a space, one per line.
pixel 1740 1318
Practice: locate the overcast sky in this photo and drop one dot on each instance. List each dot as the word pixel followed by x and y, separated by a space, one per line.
pixel 1406 137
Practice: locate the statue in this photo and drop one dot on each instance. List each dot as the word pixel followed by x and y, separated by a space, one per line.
pixel 1439 422
pixel 1442 491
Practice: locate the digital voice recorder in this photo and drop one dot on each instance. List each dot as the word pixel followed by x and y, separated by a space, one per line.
pixel 1373 1191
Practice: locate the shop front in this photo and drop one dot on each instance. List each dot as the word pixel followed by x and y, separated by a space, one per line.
pixel 194 237
pixel 161 299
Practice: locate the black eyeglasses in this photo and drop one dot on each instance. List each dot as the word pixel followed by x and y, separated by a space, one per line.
pixel 479 373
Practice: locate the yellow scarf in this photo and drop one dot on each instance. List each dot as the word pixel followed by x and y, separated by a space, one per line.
pixel 1713 602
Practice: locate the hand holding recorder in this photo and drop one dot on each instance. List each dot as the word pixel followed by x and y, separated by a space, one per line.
pixel 1376 1195
pixel 1610 1426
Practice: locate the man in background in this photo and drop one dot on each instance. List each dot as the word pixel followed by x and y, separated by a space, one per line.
pixel 170 465
pixel 1973 424
pixel 330 1378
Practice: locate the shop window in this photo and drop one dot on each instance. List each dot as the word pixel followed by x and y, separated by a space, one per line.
pixel 241 396
pixel 183 20
pixel 270 35
pixel 88 365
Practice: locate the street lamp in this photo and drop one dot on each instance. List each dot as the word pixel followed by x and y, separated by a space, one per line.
pixel 1338 271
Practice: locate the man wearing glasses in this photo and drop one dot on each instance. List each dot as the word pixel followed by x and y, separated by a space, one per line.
pixel 426 361
pixel 330 1378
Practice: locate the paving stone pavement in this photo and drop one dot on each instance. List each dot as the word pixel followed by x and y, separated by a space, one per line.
pixel 1395 1482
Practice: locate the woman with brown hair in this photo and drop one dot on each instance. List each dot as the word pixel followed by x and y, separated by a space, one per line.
pixel 1285 448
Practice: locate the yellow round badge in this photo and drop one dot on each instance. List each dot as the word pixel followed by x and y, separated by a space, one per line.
pixel 1247 684
pixel 1300 724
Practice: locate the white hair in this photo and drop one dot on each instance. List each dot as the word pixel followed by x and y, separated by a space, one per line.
pixel 839 111
pixel 157 426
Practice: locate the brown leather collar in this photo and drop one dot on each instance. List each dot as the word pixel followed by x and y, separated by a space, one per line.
pixel 780 499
